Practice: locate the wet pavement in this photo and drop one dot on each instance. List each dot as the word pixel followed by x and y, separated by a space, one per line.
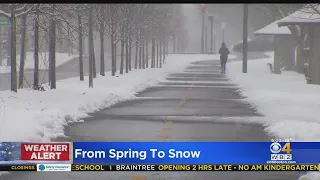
pixel 201 105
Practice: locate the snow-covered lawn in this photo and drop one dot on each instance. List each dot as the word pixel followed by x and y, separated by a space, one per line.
pixel 43 61
pixel 38 116
pixel 290 106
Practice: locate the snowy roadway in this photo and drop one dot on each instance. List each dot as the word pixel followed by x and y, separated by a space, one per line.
pixel 199 104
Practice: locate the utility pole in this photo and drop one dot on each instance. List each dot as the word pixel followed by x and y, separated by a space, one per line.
pixel 214 42
pixel 203 11
pixel 245 39
pixel 174 44
pixel 205 40
pixel 223 28
pixel 210 17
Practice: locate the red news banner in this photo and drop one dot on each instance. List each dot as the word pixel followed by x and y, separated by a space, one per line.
pixel 45 152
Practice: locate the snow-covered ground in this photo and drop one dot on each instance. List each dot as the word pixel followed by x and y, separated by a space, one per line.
pixel 38 116
pixel 289 105
pixel 43 61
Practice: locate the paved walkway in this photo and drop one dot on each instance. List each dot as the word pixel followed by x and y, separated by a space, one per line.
pixel 197 105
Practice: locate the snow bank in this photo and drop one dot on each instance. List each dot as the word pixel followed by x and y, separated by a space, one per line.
pixel 310 176
pixel 287 102
pixel 39 116
pixel 43 61
pixel 290 106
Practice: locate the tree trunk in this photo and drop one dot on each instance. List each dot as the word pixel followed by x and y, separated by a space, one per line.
pixel 130 50
pixel 94 68
pixel 140 49
pixel 115 57
pixel 143 56
pixel 60 43
pixel 137 49
pixel 147 55
pixel 13 51
pixel 160 52
pixel 127 54
pixel 174 44
pixel 1 46
pixel 140 52
pixel 36 51
pixel 86 44
pixel 153 53
pixel 52 50
pixel 9 46
pixel 22 49
pixel 157 43
pixel 113 72
pixel 122 50
pixel 167 46
pixel 164 49
pixel 80 49
pixel 102 49
pixel 90 49
pixel 122 56
pixel 178 45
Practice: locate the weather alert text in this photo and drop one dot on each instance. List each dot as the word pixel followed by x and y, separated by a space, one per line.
pixel 45 152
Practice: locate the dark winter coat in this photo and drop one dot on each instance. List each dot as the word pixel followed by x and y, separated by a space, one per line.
pixel 224 52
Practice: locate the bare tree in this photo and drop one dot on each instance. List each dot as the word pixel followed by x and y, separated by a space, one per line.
pixel 80 48
pixel 112 16
pixel 13 49
pixel 101 21
pixel 36 49
pixel 90 44
pixel 22 48
pixel 15 12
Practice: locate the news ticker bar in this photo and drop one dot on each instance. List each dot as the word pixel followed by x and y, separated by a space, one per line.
pixel 163 167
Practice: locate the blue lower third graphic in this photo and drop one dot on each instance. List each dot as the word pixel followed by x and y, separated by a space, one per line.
pixel 191 153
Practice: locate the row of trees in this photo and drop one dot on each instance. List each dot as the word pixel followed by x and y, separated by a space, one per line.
pixel 64 27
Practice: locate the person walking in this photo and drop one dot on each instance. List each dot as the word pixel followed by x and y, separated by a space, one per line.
pixel 224 52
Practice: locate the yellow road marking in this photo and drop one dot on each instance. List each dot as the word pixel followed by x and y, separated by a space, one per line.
pixel 181 102
pixel 174 112
pixel 163 137
pixel 166 128
pixel 169 122
pixel 139 178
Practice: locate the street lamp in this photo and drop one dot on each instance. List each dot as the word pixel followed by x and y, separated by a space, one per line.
pixel 214 41
pixel 210 18
pixel 223 27
pixel 245 39
pixel 203 10
pixel 205 40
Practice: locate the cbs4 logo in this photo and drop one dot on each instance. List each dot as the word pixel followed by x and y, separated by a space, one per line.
pixel 277 148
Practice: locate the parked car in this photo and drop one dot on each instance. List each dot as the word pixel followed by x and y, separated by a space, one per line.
pixel 257 44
